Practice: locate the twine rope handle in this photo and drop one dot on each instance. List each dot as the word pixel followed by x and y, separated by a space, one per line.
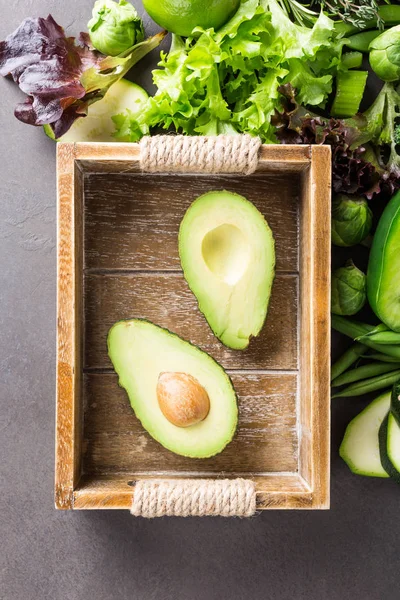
pixel 200 154
pixel 194 498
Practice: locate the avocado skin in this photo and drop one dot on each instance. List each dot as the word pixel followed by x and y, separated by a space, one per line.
pixel 177 337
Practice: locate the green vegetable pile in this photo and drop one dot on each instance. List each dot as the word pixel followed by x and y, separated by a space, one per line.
pixel 229 80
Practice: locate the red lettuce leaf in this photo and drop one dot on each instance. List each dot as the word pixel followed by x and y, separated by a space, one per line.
pixel 47 66
pixel 61 76
pixel 354 169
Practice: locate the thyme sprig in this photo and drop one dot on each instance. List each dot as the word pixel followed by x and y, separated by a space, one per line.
pixel 355 12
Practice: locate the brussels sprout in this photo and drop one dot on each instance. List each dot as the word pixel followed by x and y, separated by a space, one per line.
pixel 351 220
pixel 114 27
pixel 349 292
pixel 385 54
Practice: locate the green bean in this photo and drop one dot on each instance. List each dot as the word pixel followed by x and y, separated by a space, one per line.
pixel 347 359
pixel 361 41
pixel 354 329
pixel 386 338
pixel 350 328
pixel 369 385
pixel 352 60
pixel 381 357
pixel 364 372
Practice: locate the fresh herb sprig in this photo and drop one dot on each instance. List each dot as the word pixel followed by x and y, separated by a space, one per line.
pixel 355 12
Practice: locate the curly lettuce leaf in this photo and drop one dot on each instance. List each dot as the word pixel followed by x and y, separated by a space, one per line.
pixel 235 74
pixel 382 120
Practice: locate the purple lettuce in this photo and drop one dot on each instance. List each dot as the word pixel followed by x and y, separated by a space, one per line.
pixel 60 75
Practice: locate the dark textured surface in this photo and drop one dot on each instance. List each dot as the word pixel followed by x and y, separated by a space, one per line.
pixel 348 553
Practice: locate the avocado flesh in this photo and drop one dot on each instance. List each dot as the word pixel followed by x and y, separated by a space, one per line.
pixel 227 253
pixel 140 351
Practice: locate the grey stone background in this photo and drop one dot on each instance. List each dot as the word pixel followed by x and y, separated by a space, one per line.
pixel 348 553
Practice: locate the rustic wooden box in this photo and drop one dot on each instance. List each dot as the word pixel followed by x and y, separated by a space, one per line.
pixel 118 258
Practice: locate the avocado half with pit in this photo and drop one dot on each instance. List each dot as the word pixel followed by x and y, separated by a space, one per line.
pixel 227 253
pixel 182 396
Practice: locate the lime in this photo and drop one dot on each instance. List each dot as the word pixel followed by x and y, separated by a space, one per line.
pixel 182 16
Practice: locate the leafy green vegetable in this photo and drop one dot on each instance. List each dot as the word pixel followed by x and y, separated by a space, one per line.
pixel 382 128
pixel 351 220
pixel 61 77
pixel 114 28
pixel 355 167
pixel 385 54
pixel 349 293
pixel 131 125
pixel 299 13
pixel 234 75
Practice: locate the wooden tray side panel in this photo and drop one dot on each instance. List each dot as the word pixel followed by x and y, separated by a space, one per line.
pixel 69 420
pixel 315 245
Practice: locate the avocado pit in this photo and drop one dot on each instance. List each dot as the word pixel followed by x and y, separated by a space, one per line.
pixel 182 399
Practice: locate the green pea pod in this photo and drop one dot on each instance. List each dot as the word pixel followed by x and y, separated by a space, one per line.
pixel 362 41
pixel 369 385
pixel 377 329
pixel 390 14
pixel 355 329
pixel 386 338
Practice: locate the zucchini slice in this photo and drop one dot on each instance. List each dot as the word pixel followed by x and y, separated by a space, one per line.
pixel 386 461
pixel 98 126
pixel 360 446
pixel 395 402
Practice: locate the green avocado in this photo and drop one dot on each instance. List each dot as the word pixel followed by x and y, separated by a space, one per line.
pixel 227 253
pixel 140 352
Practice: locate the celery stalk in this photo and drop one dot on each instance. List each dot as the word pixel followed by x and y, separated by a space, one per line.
pixel 350 86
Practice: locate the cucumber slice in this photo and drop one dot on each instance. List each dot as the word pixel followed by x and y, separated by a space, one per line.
pixel 98 125
pixel 393 442
pixel 395 402
pixel 383 281
pixel 360 446
pixel 385 458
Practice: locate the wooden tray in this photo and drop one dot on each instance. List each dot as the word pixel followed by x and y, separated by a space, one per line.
pixel 118 259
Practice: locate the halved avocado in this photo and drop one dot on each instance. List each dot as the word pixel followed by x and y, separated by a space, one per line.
pixel 227 253
pixel 98 125
pixel 140 352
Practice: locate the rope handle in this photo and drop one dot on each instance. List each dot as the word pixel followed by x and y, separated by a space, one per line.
pixel 194 498
pixel 200 154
